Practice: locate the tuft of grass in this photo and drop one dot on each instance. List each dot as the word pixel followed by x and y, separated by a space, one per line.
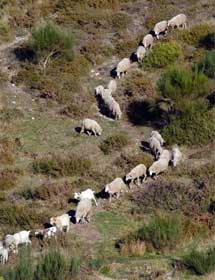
pixel 56 166
pixel 162 231
pixel 6 151
pixel 207 65
pixel 180 82
pixel 74 266
pixel 162 55
pixel 51 40
pixel 133 248
pixel 196 33
pixel 201 262
pixel 114 142
pixel 8 179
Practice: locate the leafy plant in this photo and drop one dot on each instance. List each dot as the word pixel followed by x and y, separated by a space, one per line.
pixel 163 54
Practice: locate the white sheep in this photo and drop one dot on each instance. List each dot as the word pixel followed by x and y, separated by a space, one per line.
pixel 158 136
pixel 61 222
pixel 176 155
pixel 148 41
pixel 158 167
pixel 46 233
pixel 12 241
pixel 90 125
pixel 178 21
pixel 116 187
pixel 155 146
pixel 83 210
pixel 88 193
pixel 137 173
pixel 160 27
pixel 140 53
pixel 123 67
pixel 166 154
pixel 114 108
pixel 112 85
pixel 105 93
pixel 4 255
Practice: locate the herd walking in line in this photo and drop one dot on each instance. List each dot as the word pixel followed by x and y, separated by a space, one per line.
pixel 138 175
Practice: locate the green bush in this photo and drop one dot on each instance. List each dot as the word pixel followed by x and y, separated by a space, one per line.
pixel 162 231
pixel 207 65
pixel 114 142
pixel 56 166
pixel 180 82
pixel 50 40
pixel 163 54
pixel 196 33
pixel 209 41
pixel 51 267
pixel 201 262
pixel 194 126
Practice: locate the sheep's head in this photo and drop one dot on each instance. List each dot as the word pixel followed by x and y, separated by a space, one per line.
pixel 76 195
pixel 128 177
pixel 53 220
pixel 98 90
pixel 107 188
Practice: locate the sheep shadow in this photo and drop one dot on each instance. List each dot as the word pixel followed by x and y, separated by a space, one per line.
pixel 71 214
pixel 148 114
pixel 144 146
pixel 73 200
pixel 77 129
pixel 47 225
pixel 103 109
pixel 211 98
pixel 113 73
pixel 25 54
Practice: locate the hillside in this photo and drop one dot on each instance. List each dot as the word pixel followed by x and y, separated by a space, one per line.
pixel 47 82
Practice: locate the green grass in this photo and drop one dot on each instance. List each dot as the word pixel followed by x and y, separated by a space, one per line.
pixel 163 54
pixel 207 65
pixel 201 262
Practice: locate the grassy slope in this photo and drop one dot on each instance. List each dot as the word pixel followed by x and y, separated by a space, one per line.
pixel 50 132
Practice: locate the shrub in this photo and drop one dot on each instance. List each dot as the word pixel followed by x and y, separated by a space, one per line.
pixel 163 54
pixel 133 248
pixel 6 151
pixel 196 33
pixel 162 231
pixel 207 65
pixel 180 82
pixel 50 190
pixel 201 262
pixel 209 41
pixel 114 142
pixel 8 179
pixel 50 40
pixel 51 267
pixel 56 166
pixel 191 127
pixel 120 21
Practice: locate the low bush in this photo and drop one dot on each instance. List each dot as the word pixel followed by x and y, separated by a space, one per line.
pixel 114 142
pixel 162 231
pixel 56 166
pixel 6 151
pixel 133 248
pixel 120 21
pixel 180 82
pixel 51 40
pixel 201 262
pixel 163 54
pixel 8 179
pixel 207 65
pixel 196 33
pixel 51 267
pixel 209 41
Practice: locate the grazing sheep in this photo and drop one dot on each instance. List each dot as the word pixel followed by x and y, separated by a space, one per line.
pixel 160 27
pixel 147 41
pixel 158 167
pixel 46 233
pixel 166 154
pixel 158 136
pixel 61 222
pixel 112 85
pixel 1 244
pixel 91 125
pixel 99 90
pixel 3 255
pixel 123 67
pixel 105 93
pixel 116 187
pixel 83 210
pixel 137 173
pixel 178 21
pixel 176 156
pixel 114 108
pixel 12 241
pixel 155 146
pixel 140 53
pixel 88 193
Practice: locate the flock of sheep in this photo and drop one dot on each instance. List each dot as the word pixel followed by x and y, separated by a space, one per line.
pixel 163 157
